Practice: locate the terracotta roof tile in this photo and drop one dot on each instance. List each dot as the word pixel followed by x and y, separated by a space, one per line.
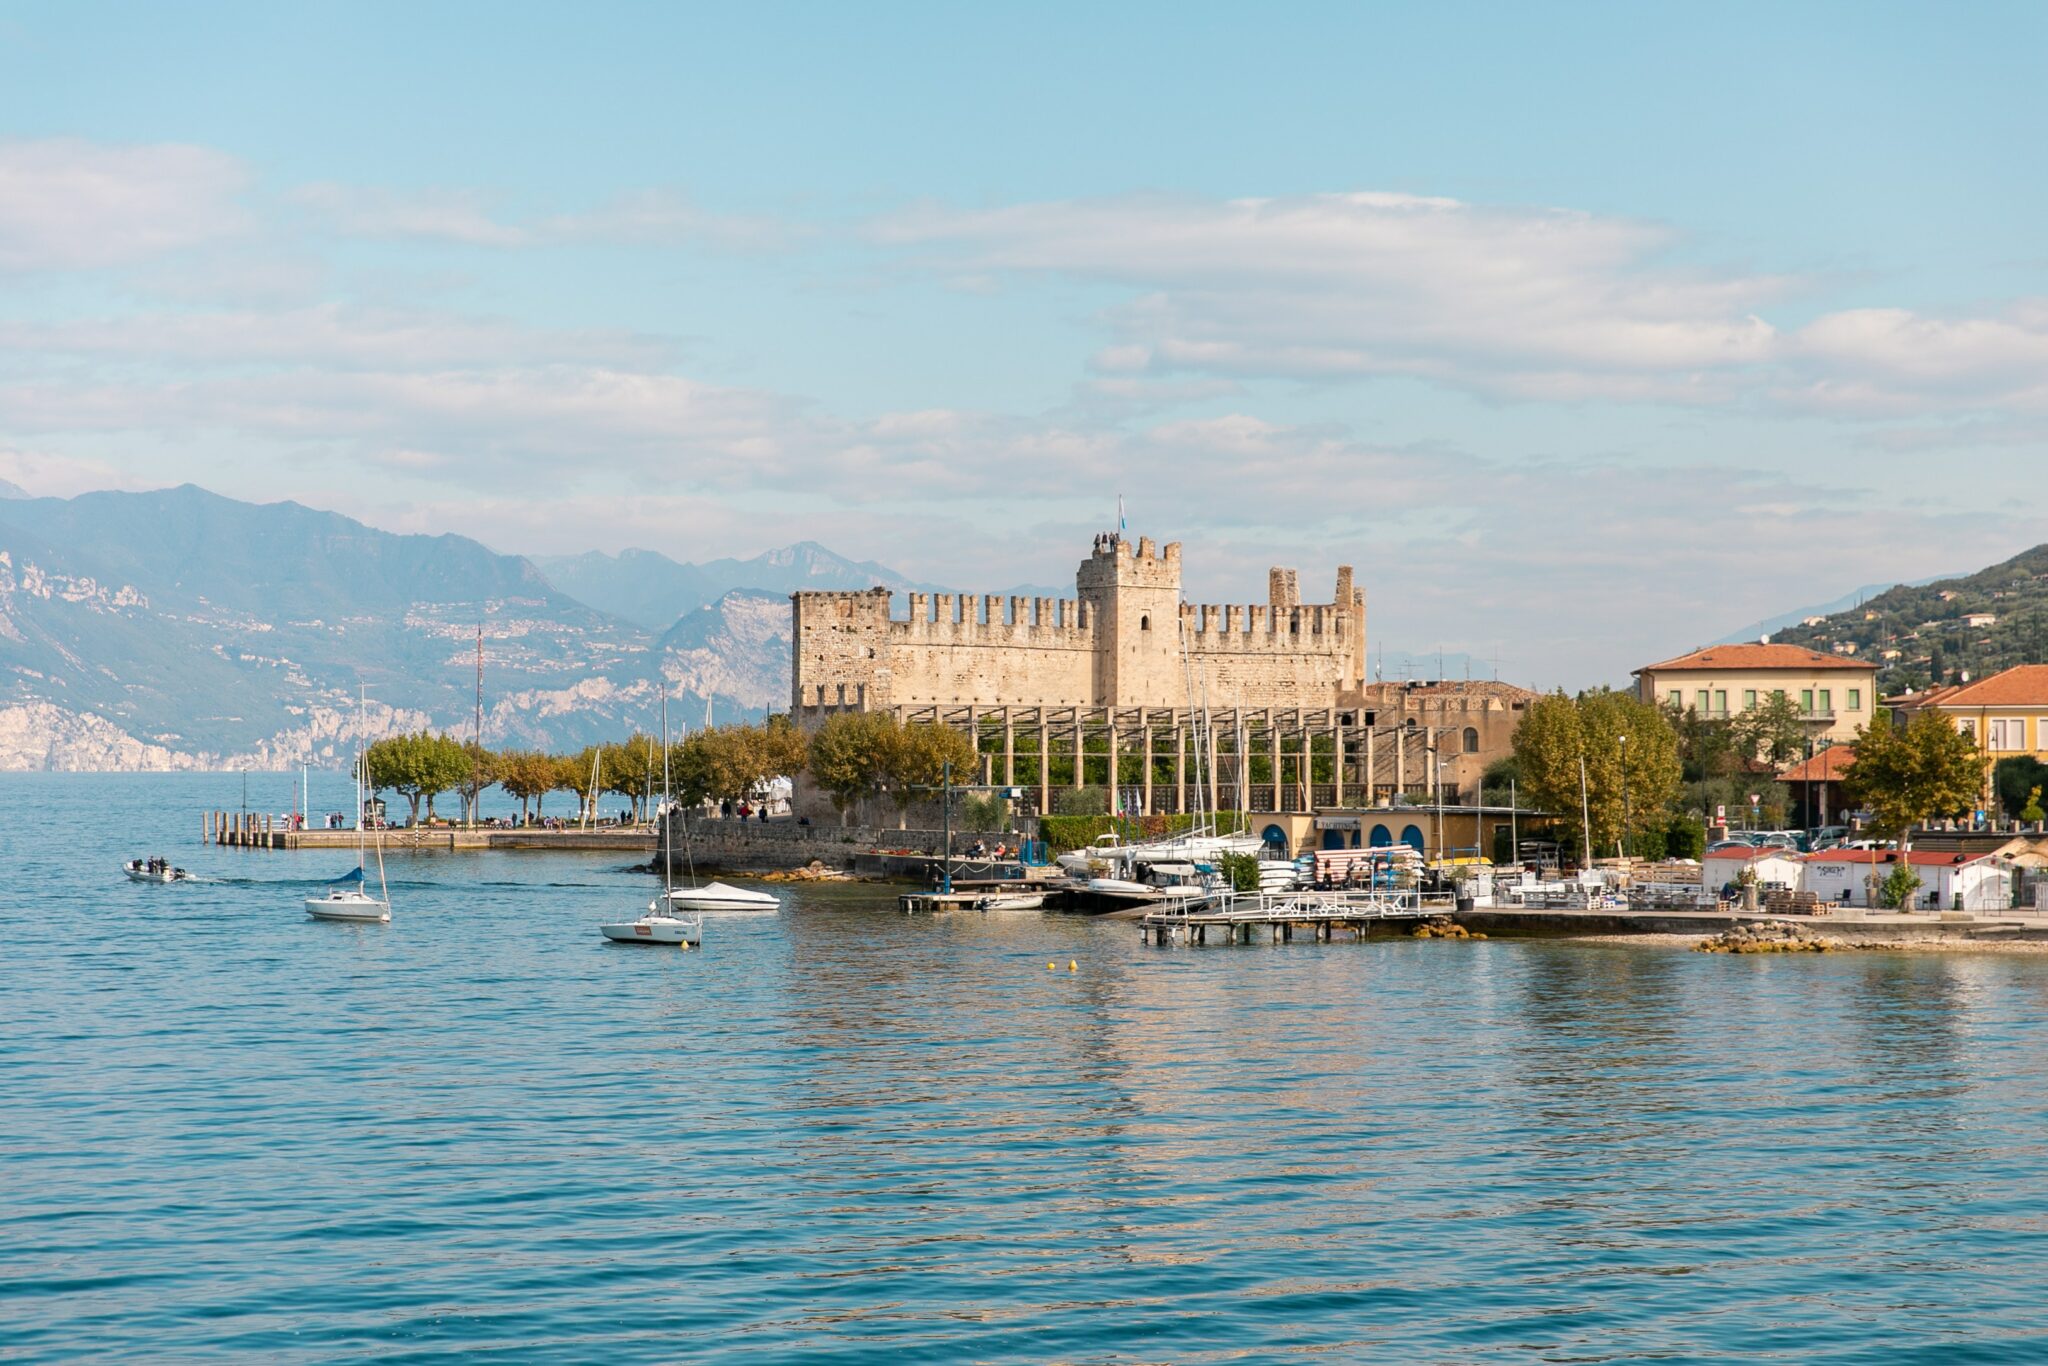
pixel 2023 685
pixel 1828 766
pixel 1760 657
pixel 1918 858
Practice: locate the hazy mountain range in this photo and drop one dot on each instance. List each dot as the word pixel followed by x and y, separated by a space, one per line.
pixel 178 628
pixel 651 590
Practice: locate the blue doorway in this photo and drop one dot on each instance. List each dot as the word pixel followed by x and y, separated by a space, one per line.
pixel 1412 837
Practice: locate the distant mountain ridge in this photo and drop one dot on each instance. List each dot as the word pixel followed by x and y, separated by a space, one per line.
pixel 1855 597
pixel 652 590
pixel 178 628
pixel 1980 622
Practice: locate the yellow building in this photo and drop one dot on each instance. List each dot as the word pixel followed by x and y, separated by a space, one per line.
pixel 1835 695
pixel 2007 713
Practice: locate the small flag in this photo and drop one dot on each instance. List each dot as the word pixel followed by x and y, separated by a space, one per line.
pixel 1122 527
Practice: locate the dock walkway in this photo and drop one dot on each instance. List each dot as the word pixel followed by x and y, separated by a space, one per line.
pixel 255 830
pixel 1239 918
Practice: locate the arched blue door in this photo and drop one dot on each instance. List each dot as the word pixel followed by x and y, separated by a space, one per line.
pixel 1276 841
pixel 1381 837
pixel 1412 837
pixel 1333 839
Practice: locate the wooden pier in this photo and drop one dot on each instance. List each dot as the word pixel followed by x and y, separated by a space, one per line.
pixel 1321 915
pixel 260 830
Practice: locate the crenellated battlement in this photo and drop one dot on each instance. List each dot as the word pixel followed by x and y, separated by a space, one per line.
pixel 1118 642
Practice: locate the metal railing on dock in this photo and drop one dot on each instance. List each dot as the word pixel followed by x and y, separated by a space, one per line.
pixel 1238 915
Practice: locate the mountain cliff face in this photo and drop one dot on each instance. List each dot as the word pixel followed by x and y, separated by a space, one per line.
pixel 178 629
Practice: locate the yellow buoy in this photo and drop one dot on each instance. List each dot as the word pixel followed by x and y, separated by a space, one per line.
pixel 1072 966
pixel 1052 967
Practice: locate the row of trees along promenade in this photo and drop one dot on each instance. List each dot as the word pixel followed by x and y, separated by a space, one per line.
pixel 855 759
pixel 1653 777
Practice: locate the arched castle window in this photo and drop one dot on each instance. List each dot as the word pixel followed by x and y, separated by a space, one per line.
pixel 1471 740
pixel 1145 622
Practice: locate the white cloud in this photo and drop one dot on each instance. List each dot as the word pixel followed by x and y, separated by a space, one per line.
pixel 467 217
pixel 69 204
pixel 1335 285
pixel 46 474
pixel 328 334
pixel 460 216
pixel 1886 361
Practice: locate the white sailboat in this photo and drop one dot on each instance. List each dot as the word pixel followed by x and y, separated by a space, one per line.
pixel 660 924
pixel 349 899
pixel 719 898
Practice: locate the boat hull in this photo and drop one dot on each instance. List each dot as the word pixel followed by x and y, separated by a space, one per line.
pixel 355 910
pixel 171 875
pixel 654 930
pixel 721 898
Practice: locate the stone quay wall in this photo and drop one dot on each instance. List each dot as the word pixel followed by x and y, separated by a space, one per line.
pixel 778 846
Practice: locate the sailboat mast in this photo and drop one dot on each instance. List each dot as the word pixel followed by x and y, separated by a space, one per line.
pixel 668 851
pixel 362 698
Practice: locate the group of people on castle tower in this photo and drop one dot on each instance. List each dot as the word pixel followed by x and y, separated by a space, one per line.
pixel 1105 539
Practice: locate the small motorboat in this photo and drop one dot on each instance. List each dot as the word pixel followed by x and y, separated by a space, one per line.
pixel 350 903
pixel 657 926
pixel 1010 901
pixel 154 870
pixel 720 897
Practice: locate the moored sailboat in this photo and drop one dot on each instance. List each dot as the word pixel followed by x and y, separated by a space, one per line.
pixel 348 898
pixel 660 923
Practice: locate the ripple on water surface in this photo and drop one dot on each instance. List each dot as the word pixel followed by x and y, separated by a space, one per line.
pixel 844 1133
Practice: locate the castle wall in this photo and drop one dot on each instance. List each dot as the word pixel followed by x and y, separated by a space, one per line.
pixel 1118 642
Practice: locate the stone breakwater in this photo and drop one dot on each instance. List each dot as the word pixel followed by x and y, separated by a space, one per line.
pixel 1771 937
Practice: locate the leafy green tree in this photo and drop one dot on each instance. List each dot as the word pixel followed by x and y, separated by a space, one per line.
pixel 1630 782
pixel 2032 810
pixel 785 749
pixel 419 767
pixel 2015 780
pixel 1771 732
pixel 528 776
pixel 632 769
pixel 731 763
pixel 481 774
pixel 1707 749
pixel 573 771
pixel 1896 891
pixel 849 757
pixel 1905 775
pixel 917 759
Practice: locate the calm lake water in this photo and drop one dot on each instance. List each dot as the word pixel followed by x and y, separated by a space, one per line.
pixel 844 1134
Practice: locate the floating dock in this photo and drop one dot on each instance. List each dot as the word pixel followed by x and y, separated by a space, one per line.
pixel 1278 916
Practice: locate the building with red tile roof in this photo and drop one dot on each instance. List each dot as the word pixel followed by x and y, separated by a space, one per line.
pixel 1836 695
pixel 2006 713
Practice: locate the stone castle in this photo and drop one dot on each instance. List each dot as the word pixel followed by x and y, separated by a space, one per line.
pixel 1124 640
pixel 1261 707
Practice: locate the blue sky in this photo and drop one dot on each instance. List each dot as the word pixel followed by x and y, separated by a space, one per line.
pixel 1586 332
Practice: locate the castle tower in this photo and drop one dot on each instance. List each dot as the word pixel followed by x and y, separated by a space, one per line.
pixel 1134 597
